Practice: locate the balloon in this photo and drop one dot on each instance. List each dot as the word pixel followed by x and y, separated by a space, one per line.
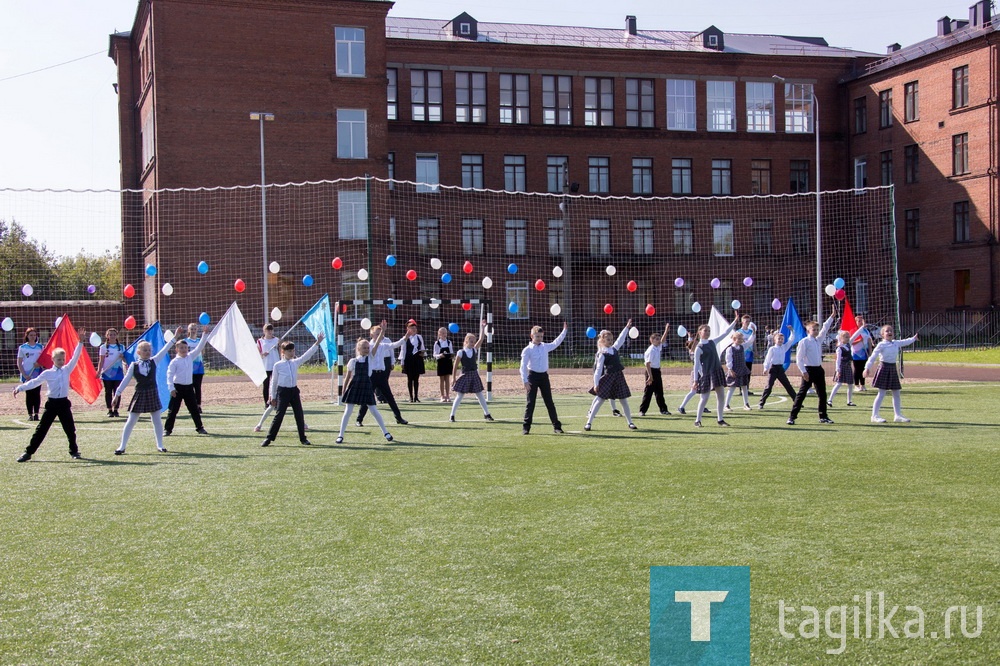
pixel 129 322
pixel 204 319
pixel 240 286
pixel 202 267
pixel 362 274
pixel 748 282
pixel 512 307
pixel 610 270
pixel 511 268
pixel 337 263
pixel 555 310
pixel 95 339
pixel 168 336
pixel 679 282
pixel 776 304
pixel 716 283
pixel 167 289
pixel 150 270
pixel 608 308
pixel 591 332
pixel 631 286
pixel 436 263
pixel 391 304
pixel 633 333
pixel 650 310
pixel 129 291
pixel 487 282
pixel 736 305
pixel 830 290
pixel 390 260
pixel 446 277
pixel 274 267
pixel 91 288
pixel 276 314
pixel 681 331
pixel 366 323
pixel 466 306
pixel 27 290
pixel 839 283
pixel 557 271
pixel 411 275
pixel 7 324
pixel 840 294
pixel 540 285
pixel 343 308
pixel 453 328
pixel 307 280
pixel 467 267
pixel 696 307
pixel 435 304
pixel 58 321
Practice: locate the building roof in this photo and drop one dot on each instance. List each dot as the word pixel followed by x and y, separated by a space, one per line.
pixel 610 38
pixel 929 46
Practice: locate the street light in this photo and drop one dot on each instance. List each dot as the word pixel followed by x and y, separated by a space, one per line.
pixel 819 214
pixel 261 116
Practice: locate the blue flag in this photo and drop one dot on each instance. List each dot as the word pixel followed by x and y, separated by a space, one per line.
pixel 154 336
pixel 318 320
pixel 791 318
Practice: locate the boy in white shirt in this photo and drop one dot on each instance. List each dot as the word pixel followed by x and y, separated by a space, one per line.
pixel 654 380
pixel 285 389
pixel 180 382
pixel 535 376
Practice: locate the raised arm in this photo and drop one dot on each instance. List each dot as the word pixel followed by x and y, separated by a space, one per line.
pixel 309 352
pixel 170 343
pixel 906 342
pixel 482 334
pixel 726 332
pixel 826 326
pixel 198 348
pixel 549 346
pixel 76 355
pixel 623 335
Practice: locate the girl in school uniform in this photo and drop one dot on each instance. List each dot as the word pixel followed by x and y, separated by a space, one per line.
pixel 887 376
pixel 359 383
pixel 708 374
pixel 111 369
pixel 146 398
pixel 844 374
pixel 27 366
pixel 444 353
pixel 411 357
pixel 737 369
pixel 692 345
pixel 470 382
pixel 609 375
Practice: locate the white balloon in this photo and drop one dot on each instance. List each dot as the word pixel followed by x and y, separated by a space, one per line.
pixel 633 333
pixel 555 309
pixel 274 267
pixel 58 321
pixel 168 336
pixel 435 304
pixel 95 339
pixel 366 323
pixel 681 331
pixel 557 271
pixel 736 305
pixel 435 263
pixel 487 282
pixel 7 324
pixel 610 270
pixel 363 274
pixel 276 314
pixel 167 289
pixel 830 290
pixel 696 307
pixel 27 290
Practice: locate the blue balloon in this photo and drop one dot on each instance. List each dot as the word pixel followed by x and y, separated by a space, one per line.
pixel 512 307
pixel 307 280
pixel 151 270
pixel 591 332
pixel 391 305
pixel 839 283
pixel 446 277
pixel 202 267
pixel 453 328
pixel 511 268
pixel 390 260
pixel 204 319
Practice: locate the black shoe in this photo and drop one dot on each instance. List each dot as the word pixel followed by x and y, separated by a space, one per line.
pixel 201 431
pixel 790 421
pixel 586 426
pixel 826 421
pixel 525 431
pixel 340 440
pixel 852 404
pixel 642 413
pixel 724 424
pixel 632 426
pixel 664 412
pixel 305 442
pixel 266 442
pixel 680 410
pixel 558 431
pixel 119 452
pixel 359 424
pixel 167 433
pixel 388 436
pixel 615 412
pixel 111 413
pixel 199 409
pixel 25 457
pixel 116 413
pixel 697 424
pixel 402 422
pixel 451 418
pixel 487 417
pixel 75 455
pixel 163 450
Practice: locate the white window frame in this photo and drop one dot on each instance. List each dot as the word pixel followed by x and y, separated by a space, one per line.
pixel 642 237
pixel 350 51
pixel 352 215
pixel 722 238
pixel 515 235
pixel 352 134
pixel 599 175
pixel 720 106
pixel 798 108
pixel 682 105
pixel 760 106
pixel 428 173
pixel 600 238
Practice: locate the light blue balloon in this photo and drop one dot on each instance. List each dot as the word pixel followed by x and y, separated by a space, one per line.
pixel 446 277
pixel 390 260
pixel 839 283
pixel 512 307
pixel 591 332
pixel 391 305
pixel 150 270
pixel 511 268
pixel 453 328
pixel 307 280
pixel 204 319
pixel 202 267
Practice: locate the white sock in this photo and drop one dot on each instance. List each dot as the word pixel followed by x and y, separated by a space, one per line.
pixel 348 409
pixel 482 402
pixel 263 417
pixel 378 418
pixel 897 404
pixel 594 408
pixel 627 410
pixel 130 422
pixel 833 392
pixel 456 403
pixel 157 428
pixel 686 400
pixel 719 401
pixel 745 390
pixel 729 395
pixel 702 403
pixel 877 405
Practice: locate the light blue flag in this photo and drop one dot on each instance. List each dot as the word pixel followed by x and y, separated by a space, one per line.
pixel 791 318
pixel 318 320
pixel 154 336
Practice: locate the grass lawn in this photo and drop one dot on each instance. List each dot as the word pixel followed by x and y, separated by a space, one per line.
pixel 962 356
pixel 469 543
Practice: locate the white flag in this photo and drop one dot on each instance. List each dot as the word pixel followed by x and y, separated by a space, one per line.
pixel 233 339
pixel 718 324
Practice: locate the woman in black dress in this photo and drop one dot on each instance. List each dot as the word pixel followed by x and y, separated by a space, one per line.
pixel 411 357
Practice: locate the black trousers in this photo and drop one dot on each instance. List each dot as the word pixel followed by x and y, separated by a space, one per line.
pixel 817 379
pixel 185 394
pixel 776 374
pixel 267 386
pixel 196 383
pixel 33 400
pixel 60 408
pixel 380 382
pixel 655 388
pixel 539 381
pixel 110 385
pixel 859 372
pixel 288 396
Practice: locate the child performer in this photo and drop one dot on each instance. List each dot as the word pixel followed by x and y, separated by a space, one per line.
pixel 774 365
pixel 57 404
pixel 609 375
pixel 845 369
pixel 27 365
pixel 411 358
pixel 270 354
pixel 809 359
pixel 359 384
pixel 708 375
pixel 181 384
pixel 470 382
pixel 197 363
pixel 382 357
pixel 444 354
pixel 692 345
pixel 887 376
pixel 285 389
pixel 861 344
pixel 654 380
pixel 749 331
pixel 146 398
pixel 737 368
pixel 535 376
pixel 110 371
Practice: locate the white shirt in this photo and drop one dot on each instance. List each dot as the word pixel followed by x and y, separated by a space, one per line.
pixel 181 368
pixel 653 355
pixel 418 343
pixel 776 353
pixel 268 348
pixel 888 351
pixel 861 342
pixel 286 373
pixel 113 356
pixel 141 367
pixel 809 353
pixel 383 351
pixel 602 352
pixel 535 358
pixel 441 347
pixel 26 357
pixel 58 378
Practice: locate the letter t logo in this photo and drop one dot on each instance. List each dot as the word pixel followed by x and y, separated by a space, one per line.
pixel 701 610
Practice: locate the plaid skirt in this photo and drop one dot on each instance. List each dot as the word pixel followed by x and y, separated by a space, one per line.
pixel 844 374
pixel 715 380
pixel 613 386
pixel 144 402
pixel 741 376
pixel 360 391
pixel 469 382
pixel 887 377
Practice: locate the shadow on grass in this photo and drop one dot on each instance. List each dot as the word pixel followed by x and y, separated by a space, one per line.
pixel 196 454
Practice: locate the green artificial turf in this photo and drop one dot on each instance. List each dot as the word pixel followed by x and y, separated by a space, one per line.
pixel 470 543
pixel 990 356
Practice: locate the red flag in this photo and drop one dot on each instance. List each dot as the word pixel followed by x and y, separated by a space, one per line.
pixel 847 322
pixel 84 378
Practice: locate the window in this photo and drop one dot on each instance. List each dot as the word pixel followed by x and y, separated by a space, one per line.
pixel 860 237
pixel 860 173
pixel 642 175
pixel 392 95
pixel 355 291
pixel 518 293
pixel 911 163
pixel 598 102
pixel 557 100
pixel 721 102
pixel 472 236
pixel 425 95
pixel 762 239
pixel 642 236
pixel 799 172
pixel 886 232
pixel 960 154
pixel 911 101
pixel 682 111
pixel 960 87
pixel 760 176
pixel 683 236
pixel 681 175
pixel 352 134
pixel 600 237
pixel 350 51
pixel 912 218
pixel 885 109
pixel 427 173
pixel 639 96
pixel 352 215
pixel 861 115
pixel 861 295
pixel 427 236
pixel 392 169
pixel 146 136
pixel 802 234
pixel 470 97
pixel 798 108
pixel 760 107
pixel 514 173
pixel 913 292
pixel 963 234
pixel 885 166
pixel 722 177
pixel 600 175
pixel 515 237
pixel 963 285
pixel 514 106
pixel 555 172
pixel 557 238
pixel 472 171
pixel 722 238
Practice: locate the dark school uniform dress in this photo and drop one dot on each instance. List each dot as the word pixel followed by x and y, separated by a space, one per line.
pixel 469 382
pixel 845 366
pixel 612 385
pixel 741 371
pixel 361 391
pixel 413 359
pixel 445 364
pixel 712 376
pixel 146 398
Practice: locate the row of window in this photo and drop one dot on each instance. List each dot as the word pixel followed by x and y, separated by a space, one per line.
pixel 911 101
pixel 427 103
pixel 962 286
pixel 911 163
pixel 961 224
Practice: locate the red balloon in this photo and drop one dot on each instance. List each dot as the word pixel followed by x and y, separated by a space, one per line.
pixel 840 294
pixel 466 306
pixel 337 263
pixel 650 310
pixel 539 285
pixel 343 308
pixel 411 274
pixel 467 267
pixel 240 286
pixel 632 286
pixel 130 322
pixel 129 291
pixel 608 308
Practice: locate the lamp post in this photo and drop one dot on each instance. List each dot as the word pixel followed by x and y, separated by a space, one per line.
pixel 261 116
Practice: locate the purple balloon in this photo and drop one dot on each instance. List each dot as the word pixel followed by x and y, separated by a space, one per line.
pixel 776 304
pixel 91 289
pixel 748 282
pixel 679 282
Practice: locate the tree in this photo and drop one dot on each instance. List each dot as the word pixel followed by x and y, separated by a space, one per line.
pixel 24 261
